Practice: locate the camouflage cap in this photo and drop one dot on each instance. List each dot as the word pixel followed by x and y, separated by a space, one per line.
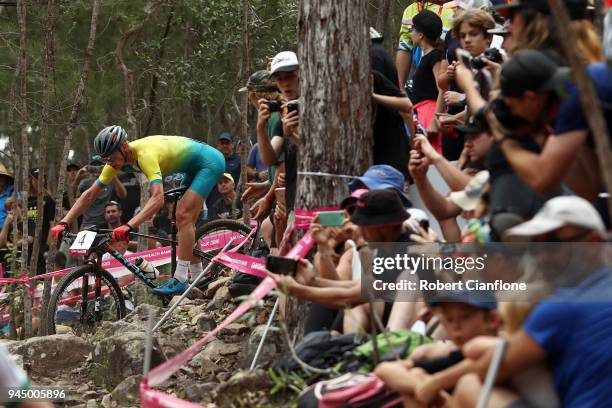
pixel 260 82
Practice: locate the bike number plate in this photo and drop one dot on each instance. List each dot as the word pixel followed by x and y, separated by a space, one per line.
pixel 82 243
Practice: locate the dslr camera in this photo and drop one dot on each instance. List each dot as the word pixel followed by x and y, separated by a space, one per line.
pixel 492 54
pixel 274 106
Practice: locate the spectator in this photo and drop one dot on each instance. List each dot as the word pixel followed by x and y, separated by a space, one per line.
pixel 380 215
pixel 72 170
pixel 6 190
pixel 14 210
pixel 409 53
pixel 571 328
pixel 131 201
pixel 228 206
pixel 381 60
pixel 382 176
pixel 113 215
pixel 427 27
pixel 225 144
pixel 94 215
pixel 256 169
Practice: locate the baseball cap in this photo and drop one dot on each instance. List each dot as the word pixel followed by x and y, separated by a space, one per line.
pixel 352 199
pixel 259 82
pixel 379 207
pixel 468 198
pixel 471 127
pixel 225 136
pixel 559 212
pixel 382 176
pixel 575 8
pixel 283 62
pixel 34 172
pixel 4 172
pixel 500 29
pixel 481 299
pixel 428 23
pixel 532 70
pixel 229 177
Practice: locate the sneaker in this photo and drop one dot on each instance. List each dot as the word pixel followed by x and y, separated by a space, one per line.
pixel 171 288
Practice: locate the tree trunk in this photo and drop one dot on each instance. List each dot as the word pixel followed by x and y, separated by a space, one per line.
pixel 48 68
pixel 382 18
pixel 244 114
pixel 24 160
pixel 335 106
pixel 588 97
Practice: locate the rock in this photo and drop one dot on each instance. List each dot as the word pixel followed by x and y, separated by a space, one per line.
pixel 215 304
pixel 184 302
pixel 82 389
pixel 234 329
pixel 127 392
pixel 106 401
pixel 229 349
pixel 240 384
pixel 91 404
pixel 195 294
pixel 214 286
pixel 196 310
pixel 222 293
pixel 197 392
pixel 204 322
pixel 121 356
pixel 269 351
pixel 60 329
pixel 49 355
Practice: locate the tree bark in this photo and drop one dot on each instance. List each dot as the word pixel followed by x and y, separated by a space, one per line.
pixel 24 160
pixel 588 97
pixel 48 68
pixel 244 114
pixel 382 17
pixel 335 107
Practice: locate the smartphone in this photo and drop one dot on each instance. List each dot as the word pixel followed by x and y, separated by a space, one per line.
pixel 279 193
pixel 292 106
pixel 465 57
pixel 331 218
pixel 281 265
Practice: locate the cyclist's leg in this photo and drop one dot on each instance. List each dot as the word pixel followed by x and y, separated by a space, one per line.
pixel 208 170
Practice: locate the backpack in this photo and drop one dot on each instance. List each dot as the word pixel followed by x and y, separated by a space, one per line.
pixel 391 345
pixel 319 349
pixel 351 390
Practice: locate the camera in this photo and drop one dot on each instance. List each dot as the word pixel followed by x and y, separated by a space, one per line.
pixel 281 265
pixel 492 54
pixel 274 106
pixel 505 116
pixel 292 106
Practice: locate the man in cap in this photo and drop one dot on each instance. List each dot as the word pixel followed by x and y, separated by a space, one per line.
pixel 6 190
pixel 382 176
pixel 225 144
pixel 226 207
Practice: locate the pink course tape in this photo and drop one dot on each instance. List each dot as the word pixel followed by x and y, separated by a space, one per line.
pixel 162 372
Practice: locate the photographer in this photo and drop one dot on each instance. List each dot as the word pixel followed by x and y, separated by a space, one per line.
pixel 278 135
pixel 94 214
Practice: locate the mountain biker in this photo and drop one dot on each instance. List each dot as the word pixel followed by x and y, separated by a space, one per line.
pixel 154 156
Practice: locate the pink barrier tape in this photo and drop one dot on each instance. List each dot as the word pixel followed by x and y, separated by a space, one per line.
pixel 218 240
pixel 163 371
pixel 155 399
pixel 302 247
pixel 243 263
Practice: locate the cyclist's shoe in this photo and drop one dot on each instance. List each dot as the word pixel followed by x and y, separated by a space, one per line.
pixel 171 288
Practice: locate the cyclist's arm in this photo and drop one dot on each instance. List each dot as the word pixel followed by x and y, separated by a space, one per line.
pixel 84 201
pixel 155 203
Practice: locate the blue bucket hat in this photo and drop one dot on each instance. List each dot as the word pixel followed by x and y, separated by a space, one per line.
pixel 379 177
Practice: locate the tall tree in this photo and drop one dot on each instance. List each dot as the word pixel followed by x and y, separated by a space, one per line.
pixel 25 157
pixel 382 17
pixel 335 105
pixel 244 114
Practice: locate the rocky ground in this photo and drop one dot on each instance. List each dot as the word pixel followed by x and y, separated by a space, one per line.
pixel 105 369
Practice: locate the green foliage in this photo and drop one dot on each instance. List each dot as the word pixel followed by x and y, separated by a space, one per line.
pixel 197 74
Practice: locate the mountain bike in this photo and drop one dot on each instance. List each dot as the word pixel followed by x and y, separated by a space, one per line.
pixel 90 295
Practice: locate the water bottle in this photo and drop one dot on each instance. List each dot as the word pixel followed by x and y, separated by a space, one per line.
pixel 146 267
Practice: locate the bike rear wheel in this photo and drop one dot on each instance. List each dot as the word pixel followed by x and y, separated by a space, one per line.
pixel 83 299
pixel 215 235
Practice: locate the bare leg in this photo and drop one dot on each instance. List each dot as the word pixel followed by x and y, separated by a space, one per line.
pixel 468 391
pixel 187 212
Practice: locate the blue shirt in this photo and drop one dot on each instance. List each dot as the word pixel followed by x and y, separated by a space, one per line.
pixel 254 160
pixel 570 116
pixel 574 326
pixel 8 192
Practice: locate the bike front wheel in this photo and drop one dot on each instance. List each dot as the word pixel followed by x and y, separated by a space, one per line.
pixel 83 299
